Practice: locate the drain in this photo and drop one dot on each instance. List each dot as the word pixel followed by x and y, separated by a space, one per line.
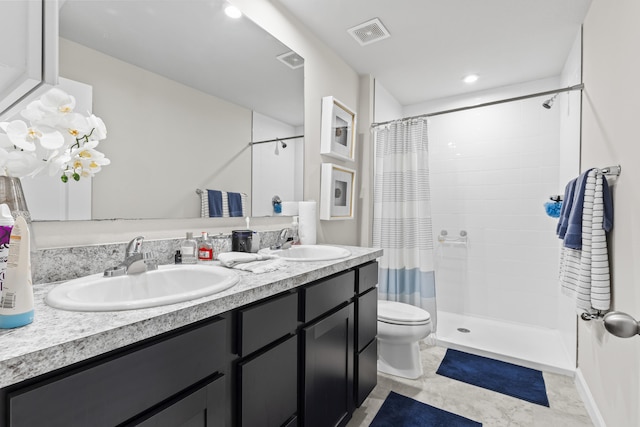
pixel 464 330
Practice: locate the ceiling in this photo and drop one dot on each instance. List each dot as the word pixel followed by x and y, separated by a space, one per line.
pixel 192 42
pixel 434 44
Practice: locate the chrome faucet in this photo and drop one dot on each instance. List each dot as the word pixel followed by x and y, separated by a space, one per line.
pixel 135 261
pixel 284 240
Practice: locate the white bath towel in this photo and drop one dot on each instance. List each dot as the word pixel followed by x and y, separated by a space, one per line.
pixel 256 263
pixel 584 273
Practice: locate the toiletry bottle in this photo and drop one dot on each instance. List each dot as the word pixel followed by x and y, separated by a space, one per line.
pixel 16 307
pixel 189 249
pixel 294 231
pixel 205 249
pixel 6 225
pixel 177 258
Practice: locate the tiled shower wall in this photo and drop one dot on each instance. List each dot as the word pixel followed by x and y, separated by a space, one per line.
pixel 492 169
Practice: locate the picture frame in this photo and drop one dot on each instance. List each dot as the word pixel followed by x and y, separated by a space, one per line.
pixel 337 132
pixel 337 192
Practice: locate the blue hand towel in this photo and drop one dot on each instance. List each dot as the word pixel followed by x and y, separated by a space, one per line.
pixel 235 204
pixel 573 236
pixel 565 210
pixel 215 203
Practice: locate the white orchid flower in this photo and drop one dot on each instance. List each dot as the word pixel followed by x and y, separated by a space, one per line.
pixel 86 161
pixel 99 129
pixel 55 138
pixel 19 163
pixel 25 137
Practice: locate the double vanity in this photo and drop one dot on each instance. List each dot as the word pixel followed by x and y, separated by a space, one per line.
pixel 292 347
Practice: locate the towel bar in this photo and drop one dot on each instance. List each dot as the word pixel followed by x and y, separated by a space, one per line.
pixel 611 170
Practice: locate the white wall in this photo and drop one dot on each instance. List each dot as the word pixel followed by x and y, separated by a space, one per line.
pixel 275 174
pixel 611 106
pixel 325 74
pixel 386 106
pixel 164 139
pixel 492 169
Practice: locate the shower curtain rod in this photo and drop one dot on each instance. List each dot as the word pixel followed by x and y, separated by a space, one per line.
pixel 486 104
pixel 276 139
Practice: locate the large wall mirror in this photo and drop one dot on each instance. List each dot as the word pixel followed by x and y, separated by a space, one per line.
pixel 183 90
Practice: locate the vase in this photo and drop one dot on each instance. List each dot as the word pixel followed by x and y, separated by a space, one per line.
pixel 12 195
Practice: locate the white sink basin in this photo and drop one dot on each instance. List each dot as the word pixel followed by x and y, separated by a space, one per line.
pixel 308 253
pixel 167 285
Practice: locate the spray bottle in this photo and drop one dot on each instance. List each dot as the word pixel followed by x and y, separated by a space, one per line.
pixel 16 306
pixel 6 225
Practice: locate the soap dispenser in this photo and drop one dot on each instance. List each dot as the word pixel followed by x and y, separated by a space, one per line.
pixel 189 249
pixel 294 231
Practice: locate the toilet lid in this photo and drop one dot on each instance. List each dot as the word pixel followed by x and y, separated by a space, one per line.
pixel 402 314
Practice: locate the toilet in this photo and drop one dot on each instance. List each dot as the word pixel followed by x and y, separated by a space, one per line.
pixel 400 328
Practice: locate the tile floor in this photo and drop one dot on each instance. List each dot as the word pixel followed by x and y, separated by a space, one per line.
pixel 487 407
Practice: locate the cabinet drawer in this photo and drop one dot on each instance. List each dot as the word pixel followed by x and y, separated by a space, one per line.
pixel 266 322
pixel 114 389
pixel 326 295
pixel 203 407
pixel 367 277
pixel 367 315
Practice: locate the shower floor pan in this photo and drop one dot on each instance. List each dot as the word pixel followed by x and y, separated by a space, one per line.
pixel 536 348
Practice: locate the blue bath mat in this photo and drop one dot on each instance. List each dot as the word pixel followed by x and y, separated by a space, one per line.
pixel 502 377
pixel 401 411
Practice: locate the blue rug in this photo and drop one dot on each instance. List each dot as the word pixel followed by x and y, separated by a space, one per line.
pixel 401 411
pixel 502 377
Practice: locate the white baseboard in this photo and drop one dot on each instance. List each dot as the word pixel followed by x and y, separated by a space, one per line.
pixel 588 400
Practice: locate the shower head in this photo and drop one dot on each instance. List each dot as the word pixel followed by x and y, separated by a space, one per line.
pixel 549 102
pixel 284 145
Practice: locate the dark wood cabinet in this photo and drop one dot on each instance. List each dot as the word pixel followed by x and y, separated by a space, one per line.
pixel 305 357
pixel 327 380
pixel 124 384
pixel 268 385
pixel 366 355
pixel 267 372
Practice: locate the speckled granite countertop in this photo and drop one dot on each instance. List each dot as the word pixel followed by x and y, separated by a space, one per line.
pixel 59 338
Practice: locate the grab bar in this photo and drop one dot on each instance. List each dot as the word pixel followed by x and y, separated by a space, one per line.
pixel 443 237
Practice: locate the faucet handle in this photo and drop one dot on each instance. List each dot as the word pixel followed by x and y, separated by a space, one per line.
pixel 134 246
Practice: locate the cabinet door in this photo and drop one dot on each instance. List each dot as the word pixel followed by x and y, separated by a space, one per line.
pixel 268 386
pixel 203 407
pixel 366 372
pixel 328 370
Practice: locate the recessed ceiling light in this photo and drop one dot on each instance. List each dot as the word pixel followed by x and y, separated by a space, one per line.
pixel 232 12
pixel 471 78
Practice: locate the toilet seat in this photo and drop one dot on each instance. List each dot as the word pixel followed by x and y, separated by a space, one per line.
pixel 397 313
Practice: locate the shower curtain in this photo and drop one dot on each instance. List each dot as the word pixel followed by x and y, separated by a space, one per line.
pixel 402 214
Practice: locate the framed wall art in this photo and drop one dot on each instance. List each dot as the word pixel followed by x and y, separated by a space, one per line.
pixel 337 192
pixel 337 132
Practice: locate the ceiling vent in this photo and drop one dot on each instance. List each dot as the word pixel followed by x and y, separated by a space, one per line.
pixel 369 32
pixel 292 59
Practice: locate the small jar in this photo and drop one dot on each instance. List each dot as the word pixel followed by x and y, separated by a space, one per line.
pixel 220 243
